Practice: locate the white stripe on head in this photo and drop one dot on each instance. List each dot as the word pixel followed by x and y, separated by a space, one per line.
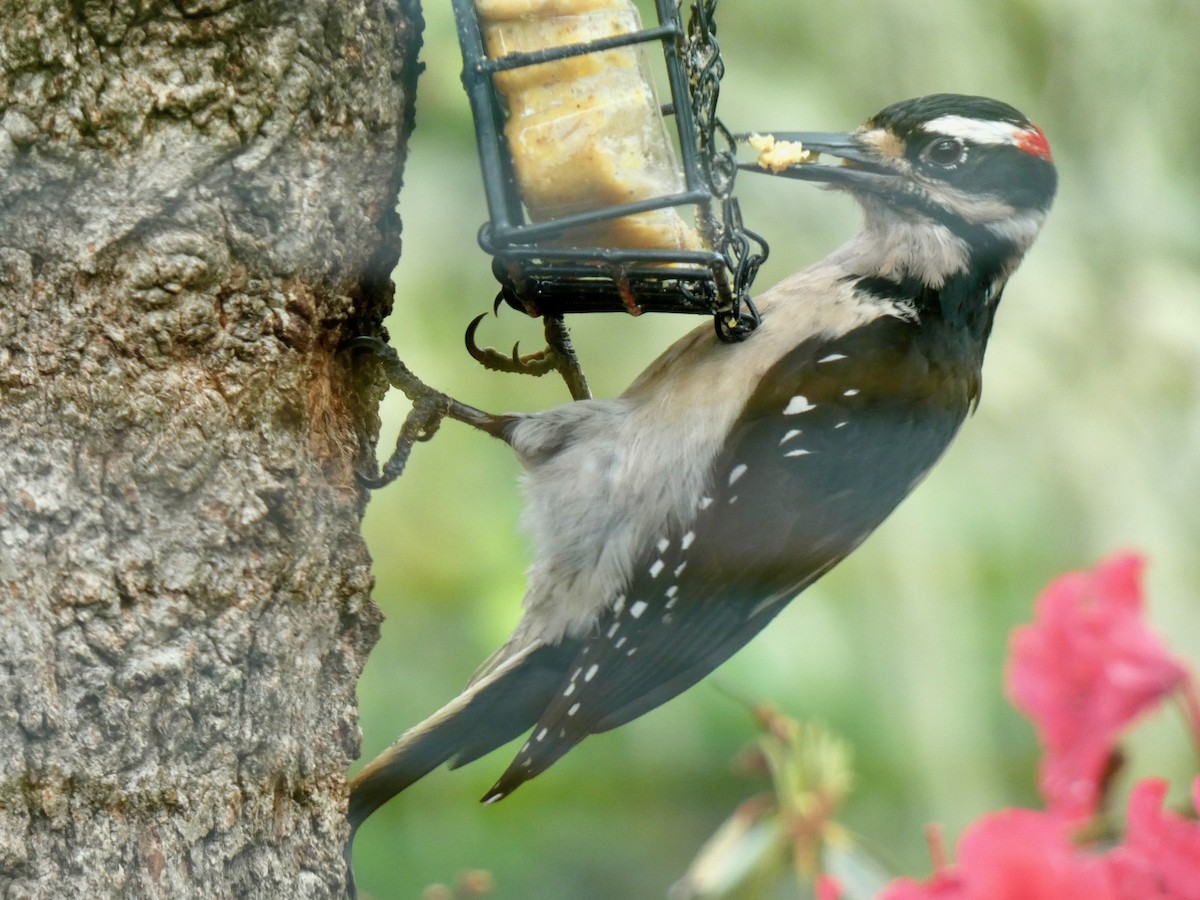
pixel 978 131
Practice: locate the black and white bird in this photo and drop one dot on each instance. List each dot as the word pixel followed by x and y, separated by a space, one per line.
pixel 673 523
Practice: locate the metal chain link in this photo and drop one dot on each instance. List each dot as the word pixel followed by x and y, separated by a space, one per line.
pixel 744 250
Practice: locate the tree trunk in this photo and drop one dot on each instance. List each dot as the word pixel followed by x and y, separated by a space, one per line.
pixel 196 206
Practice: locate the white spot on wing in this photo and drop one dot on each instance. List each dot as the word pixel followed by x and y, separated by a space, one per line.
pixel 656 568
pixel 619 605
pixel 850 393
pixel 798 404
pixel 570 689
pixel 800 452
pixel 541 735
pixel 795 432
pixel 841 424
pixel 663 544
pixel 687 540
pixel 832 357
pixel 591 673
pixel 574 709
pixel 679 568
pixel 705 502
pixel 620 643
pixel 637 609
pixel 673 590
pixel 613 630
pixel 737 472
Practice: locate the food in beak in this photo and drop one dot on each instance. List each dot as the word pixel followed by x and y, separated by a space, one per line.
pixel 775 155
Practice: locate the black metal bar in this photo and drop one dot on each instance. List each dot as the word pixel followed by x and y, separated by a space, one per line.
pixel 562 289
pixel 612 256
pixel 537 231
pixel 504 207
pixel 677 78
pixel 551 54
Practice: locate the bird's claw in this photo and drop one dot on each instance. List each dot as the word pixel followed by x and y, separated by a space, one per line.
pixel 558 356
pixel 397 373
pixel 422 421
pixel 536 364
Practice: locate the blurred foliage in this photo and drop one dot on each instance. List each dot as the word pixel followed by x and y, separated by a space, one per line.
pixel 1088 439
pixel 776 844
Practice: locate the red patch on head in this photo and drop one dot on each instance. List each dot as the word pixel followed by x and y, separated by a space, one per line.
pixel 1033 140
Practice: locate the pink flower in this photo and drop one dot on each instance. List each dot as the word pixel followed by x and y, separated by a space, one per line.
pixel 1020 854
pixel 1016 854
pixel 828 888
pixel 1083 670
pixel 1160 859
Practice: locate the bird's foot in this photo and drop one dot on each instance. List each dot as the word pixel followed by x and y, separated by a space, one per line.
pixel 535 364
pixel 429 407
pixel 558 356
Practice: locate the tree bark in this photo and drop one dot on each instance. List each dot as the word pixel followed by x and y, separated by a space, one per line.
pixel 196 206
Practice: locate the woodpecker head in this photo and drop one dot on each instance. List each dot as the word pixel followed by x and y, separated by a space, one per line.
pixel 955 189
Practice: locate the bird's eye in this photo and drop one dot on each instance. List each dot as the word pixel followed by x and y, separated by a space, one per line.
pixel 946 152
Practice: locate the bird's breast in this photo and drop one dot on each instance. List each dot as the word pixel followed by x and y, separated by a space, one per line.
pixel 606 479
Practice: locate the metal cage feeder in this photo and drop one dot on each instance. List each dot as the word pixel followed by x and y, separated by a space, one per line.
pixel 542 269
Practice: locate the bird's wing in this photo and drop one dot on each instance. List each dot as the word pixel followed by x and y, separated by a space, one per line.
pixel 844 430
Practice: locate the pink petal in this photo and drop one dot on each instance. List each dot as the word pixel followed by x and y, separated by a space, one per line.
pixel 1015 854
pixel 1160 859
pixel 1082 671
pixel 828 888
pixel 1020 854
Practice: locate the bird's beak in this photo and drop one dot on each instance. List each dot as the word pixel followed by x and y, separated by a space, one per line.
pixel 793 154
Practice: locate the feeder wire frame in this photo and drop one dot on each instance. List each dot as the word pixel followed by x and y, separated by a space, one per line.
pixel 553 281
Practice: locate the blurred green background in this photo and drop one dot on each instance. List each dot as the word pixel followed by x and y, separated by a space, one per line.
pixel 1087 441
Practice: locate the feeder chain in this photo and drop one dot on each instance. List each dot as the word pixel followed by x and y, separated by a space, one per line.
pixel 743 250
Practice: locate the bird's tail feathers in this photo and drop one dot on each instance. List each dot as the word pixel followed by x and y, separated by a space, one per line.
pixel 495 708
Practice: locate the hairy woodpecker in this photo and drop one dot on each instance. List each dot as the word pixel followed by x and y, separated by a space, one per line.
pixel 672 523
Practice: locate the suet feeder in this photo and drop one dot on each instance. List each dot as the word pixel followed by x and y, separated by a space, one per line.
pixel 601 198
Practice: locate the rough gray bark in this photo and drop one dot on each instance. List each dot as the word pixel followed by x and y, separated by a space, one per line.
pixel 196 206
